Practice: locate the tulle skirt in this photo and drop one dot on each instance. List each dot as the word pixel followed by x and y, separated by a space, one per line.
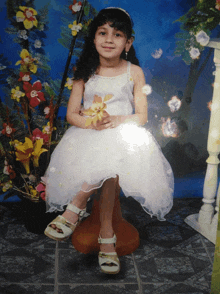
pixel 85 158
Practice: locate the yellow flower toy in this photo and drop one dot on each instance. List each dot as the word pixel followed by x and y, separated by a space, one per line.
pixel 97 111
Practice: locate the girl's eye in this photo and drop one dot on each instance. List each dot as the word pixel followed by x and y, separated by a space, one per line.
pixel 102 33
pixel 118 35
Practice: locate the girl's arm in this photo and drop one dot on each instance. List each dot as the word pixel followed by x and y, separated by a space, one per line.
pixel 74 106
pixel 140 101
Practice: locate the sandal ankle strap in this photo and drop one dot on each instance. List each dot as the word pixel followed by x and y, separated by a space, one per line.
pixel 73 208
pixel 108 240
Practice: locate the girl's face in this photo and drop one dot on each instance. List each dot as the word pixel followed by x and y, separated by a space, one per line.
pixel 110 42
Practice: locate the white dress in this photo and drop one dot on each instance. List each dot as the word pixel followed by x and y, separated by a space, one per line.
pixel 85 158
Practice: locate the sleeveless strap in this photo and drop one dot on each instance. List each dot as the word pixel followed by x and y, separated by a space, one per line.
pixel 128 70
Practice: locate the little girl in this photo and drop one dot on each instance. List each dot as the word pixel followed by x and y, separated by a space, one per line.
pixel 97 153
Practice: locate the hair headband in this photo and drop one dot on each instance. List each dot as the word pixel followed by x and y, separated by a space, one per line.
pixel 119 9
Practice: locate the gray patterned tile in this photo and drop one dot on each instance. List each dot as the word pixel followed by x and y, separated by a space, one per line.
pixel 26 289
pixel 170 265
pixel 80 268
pixel 99 289
pixel 172 288
pixel 29 266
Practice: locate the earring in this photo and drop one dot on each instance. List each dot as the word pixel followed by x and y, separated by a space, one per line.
pixel 126 55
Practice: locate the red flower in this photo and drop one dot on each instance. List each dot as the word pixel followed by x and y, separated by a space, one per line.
pixel 41 189
pixel 33 92
pixel 24 77
pixel 9 171
pixel 8 129
pixel 75 7
pixel 37 134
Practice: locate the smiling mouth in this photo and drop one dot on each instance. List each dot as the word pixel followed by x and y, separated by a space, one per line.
pixel 108 48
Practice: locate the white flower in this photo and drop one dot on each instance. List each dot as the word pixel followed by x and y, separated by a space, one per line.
pixel 47 110
pixel 2 66
pixel 194 53
pixel 41 27
pixel 157 53
pixel 76 7
pixel 37 44
pixel 174 104
pixel 147 89
pixel 202 38
pixel 22 34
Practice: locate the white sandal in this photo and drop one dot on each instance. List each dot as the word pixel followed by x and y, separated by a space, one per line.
pixel 109 262
pixel 65 226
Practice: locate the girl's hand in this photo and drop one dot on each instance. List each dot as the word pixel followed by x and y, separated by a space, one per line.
pixel 108 122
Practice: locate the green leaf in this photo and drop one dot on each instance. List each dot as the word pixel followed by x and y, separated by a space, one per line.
pixel 86 10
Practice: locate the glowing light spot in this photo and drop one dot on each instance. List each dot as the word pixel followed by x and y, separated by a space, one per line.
pixel 133 135
pixel 174 104
pixel 169 128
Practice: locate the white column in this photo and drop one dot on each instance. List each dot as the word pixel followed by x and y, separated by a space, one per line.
pixel 206 221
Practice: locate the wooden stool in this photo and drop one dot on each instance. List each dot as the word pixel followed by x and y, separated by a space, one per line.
pixel 85 236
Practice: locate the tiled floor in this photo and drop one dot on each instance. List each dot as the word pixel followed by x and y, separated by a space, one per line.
pixel 172 258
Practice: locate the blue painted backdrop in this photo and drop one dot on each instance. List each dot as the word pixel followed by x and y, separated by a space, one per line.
pixel 154 30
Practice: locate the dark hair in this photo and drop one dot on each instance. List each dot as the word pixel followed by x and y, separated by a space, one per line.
pixel 88 62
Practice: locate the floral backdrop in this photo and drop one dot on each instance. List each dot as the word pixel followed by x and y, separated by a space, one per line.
pixel 36 78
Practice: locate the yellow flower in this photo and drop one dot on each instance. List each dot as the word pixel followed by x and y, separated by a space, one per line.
pixel 27 62
pixel 38 150
pixel 75 27
pixel 27 17
pixel 16 94
pixel 33 192
pixel 47 129
pixel 6 186
pixel 69 83
pixel 24 152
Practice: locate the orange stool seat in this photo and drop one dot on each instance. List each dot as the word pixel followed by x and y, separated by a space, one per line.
pixel 85 236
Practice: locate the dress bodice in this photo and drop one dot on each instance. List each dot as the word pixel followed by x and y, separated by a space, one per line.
pixel 121 87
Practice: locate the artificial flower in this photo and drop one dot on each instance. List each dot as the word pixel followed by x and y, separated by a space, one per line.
pixel 8 170
pixel 33 193
pixel 97 111
pixel 22 34
pixel 27 62
pixel 16 94
pixel 69 83
pixel 27 16
pixel 217 6
pixel 37 44
pixel 75 27
pixel 47 111
pixel 38 150
pixel 37 135
pixel 194 53
pixel 8 129
pixel 47 129
pixel 34 94
pixel 75 7
pixel 24 152
pixel 24 77
pixel 41 189
pixel 147 89
pixel 6 186
pixel 174 104
pixel 202 38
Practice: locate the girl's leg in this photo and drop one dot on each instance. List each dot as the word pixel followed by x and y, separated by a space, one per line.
pixel 80 201
pixel 107 201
